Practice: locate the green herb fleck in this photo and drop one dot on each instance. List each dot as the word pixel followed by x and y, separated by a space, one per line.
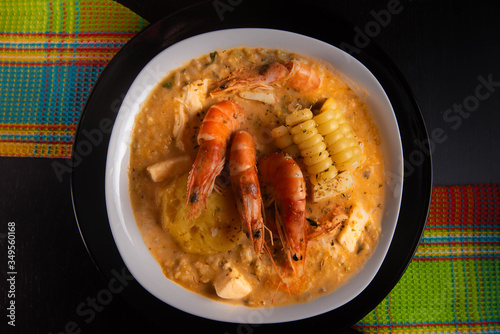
pixel 212 57
pixel 167 84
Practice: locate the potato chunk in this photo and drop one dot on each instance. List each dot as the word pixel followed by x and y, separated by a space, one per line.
pixel 217 229
pixel 354 227
pixel 232 285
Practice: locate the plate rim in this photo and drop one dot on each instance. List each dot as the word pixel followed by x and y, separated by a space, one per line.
pixel 119 210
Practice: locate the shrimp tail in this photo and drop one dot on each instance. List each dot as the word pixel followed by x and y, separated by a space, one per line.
pixel 296 246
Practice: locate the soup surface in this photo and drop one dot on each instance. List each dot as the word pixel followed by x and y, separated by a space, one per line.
pixel 212 254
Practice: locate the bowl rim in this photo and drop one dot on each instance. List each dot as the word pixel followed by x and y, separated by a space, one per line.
pixel 115 161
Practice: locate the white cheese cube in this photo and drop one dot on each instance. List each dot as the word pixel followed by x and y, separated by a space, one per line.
pixel 354 227
pixel 232 285
pixel 173 167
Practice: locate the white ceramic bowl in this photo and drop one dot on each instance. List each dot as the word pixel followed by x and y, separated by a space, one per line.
pixel 128 239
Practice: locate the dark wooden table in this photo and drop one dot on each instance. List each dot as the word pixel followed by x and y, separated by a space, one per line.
pixel 447 50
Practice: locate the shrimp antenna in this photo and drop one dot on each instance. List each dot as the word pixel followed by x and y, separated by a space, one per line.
pixel 282 279
pixel 263 212
pixel 270 234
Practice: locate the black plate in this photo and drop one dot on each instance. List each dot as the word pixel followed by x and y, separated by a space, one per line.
pixel 93 132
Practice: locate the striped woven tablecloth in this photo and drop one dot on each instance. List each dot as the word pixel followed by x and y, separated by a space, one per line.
pixel 53 51
pixel 453 283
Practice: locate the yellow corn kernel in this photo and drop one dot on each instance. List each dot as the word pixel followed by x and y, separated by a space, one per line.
pixel 304 135
pixel 280 131
pixel 328 174
pixel 317 138
pixel 352 163
pixel 315 159
pixel 319 167
pixel 341 145
pixel 304 126
pixel 284 141
pixel 344 155
pixel 314 149
pixel 328 127
pixel 298 116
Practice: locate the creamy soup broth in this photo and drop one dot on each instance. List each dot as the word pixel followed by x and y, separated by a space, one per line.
pixel 166 129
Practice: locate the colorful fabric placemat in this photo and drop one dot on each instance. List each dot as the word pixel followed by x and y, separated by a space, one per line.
pixel 51 53
pixel 453 283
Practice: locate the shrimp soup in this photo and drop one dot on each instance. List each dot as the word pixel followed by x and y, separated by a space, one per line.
pixel 187 193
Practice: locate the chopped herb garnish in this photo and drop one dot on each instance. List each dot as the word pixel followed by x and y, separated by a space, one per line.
pixel 167 84
pixel 312 222
pixel 212 57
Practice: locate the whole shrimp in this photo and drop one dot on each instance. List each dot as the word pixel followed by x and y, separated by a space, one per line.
pixel 284 176
pixel 246 189
pixel 296 73
pixel 219 123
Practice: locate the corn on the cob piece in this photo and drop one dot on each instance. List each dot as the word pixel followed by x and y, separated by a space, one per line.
pixel 311 145
pixel 339 138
